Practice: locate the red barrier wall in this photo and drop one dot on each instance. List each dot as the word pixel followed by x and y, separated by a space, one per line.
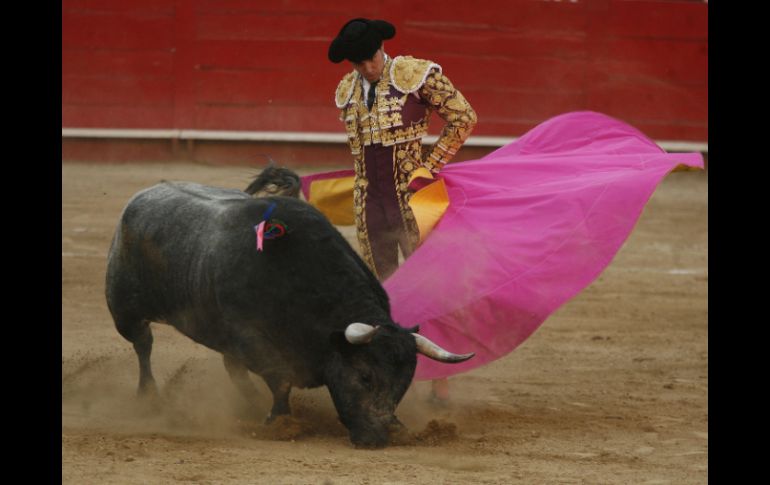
pixel 258 65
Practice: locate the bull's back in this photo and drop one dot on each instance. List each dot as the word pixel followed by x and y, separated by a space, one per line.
pixel 186 251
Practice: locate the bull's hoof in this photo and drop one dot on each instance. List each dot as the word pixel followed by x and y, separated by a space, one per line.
pixel 272 418
pixel 148 392
pixel 282 427
pixel 369 446
pixel 149 399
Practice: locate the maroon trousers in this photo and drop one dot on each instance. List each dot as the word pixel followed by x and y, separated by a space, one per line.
pixel 384 223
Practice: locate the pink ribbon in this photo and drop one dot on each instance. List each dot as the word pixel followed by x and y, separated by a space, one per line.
pixel 260 235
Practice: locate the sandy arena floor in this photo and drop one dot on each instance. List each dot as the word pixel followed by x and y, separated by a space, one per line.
pixel 613 388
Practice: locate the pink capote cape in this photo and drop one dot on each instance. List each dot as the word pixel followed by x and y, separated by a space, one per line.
pixel 528 227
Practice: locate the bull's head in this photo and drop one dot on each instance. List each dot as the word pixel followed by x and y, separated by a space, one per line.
pixel 369 373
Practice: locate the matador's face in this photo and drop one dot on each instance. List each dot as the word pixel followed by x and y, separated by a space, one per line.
pixel 371 69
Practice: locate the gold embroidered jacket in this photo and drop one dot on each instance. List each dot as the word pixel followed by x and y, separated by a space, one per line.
pixel 408 92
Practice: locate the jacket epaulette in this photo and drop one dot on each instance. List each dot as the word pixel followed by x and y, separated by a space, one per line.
pixel 408 74
pixel 345 89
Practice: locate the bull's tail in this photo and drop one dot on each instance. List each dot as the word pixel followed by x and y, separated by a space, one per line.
pixel 275 181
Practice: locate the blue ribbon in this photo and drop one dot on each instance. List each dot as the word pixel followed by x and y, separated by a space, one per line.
pixel 269 212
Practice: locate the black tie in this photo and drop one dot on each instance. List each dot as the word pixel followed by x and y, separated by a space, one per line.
pixel 370 97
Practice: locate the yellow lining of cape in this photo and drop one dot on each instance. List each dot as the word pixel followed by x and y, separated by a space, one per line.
pixel 429 203
pixel 334 198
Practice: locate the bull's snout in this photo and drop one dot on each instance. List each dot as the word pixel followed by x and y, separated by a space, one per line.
pixel 370 439
pixel 377 433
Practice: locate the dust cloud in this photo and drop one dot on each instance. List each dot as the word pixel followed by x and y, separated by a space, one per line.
pixel 196 398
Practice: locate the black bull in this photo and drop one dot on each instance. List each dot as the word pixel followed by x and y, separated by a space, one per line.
pixel 303 312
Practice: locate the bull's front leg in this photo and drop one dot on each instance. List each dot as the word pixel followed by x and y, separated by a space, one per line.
pixel 267 362
pixel 239 374
pixel 280 387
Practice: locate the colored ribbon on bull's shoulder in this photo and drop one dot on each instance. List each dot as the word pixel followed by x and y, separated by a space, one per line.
pixel 269 229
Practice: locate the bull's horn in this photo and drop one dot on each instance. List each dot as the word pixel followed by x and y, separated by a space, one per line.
pixel 360 333
pixel 430 349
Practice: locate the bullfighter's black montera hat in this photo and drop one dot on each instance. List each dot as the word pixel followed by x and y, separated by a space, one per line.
pixel 359 39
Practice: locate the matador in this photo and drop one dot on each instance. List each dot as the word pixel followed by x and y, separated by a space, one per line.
pixel 386 104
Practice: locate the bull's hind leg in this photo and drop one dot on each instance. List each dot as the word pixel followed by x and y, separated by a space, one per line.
pixel 137 331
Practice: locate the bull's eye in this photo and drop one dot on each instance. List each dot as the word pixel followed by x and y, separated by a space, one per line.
pixel 366 377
